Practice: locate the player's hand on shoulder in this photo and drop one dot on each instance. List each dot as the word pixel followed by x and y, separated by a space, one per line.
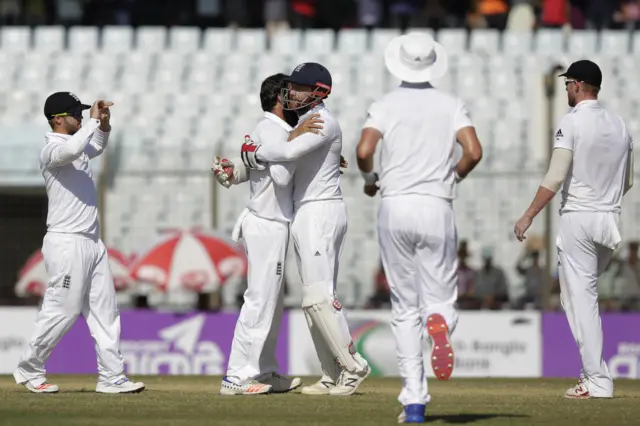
pixel 313 124
pixel 223 171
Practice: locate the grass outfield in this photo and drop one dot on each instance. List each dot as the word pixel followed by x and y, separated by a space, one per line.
pixel 194 400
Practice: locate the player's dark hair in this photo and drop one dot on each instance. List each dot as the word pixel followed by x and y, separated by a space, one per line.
pixel 270 90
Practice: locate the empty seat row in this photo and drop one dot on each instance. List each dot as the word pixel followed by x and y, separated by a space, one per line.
pixel 350 41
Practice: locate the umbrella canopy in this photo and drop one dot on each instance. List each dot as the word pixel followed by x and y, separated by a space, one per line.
pixel 33 277
pixel 195 260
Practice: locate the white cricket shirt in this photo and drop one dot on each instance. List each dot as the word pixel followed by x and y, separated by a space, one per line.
pixel 419 124
pixel 317 160
pixel 64 161
pixel 601 145
pixel 272 189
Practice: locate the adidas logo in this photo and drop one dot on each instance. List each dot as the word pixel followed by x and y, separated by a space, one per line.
pixel 66 282
pixel 559 134
pixel 317 253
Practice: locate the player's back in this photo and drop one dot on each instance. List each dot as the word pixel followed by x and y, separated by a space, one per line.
pixel 317 175
pixel 601 144
pixel 419 125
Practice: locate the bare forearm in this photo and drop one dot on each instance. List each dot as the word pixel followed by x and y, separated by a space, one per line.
pixel 542 198
pixel 365 164
pixel 467 163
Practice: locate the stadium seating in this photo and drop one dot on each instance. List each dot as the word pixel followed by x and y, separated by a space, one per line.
pixel 183 95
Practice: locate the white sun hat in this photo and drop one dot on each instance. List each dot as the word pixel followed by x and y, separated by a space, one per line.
pixel 416 58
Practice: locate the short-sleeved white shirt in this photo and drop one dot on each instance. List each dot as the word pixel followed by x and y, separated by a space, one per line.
pixel 419 124
pixel 601 144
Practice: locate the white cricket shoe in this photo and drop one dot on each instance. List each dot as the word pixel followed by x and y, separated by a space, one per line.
pixel 279 383
pixel 578 391
pixel 321 387
pixel 248 387
pixel 348 382
pixel 43 388
pixel 122 385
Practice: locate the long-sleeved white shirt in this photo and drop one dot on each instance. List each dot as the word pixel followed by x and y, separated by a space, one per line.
pixel 64 161
pixel 602 148
pixel 316 157
pixel 272 189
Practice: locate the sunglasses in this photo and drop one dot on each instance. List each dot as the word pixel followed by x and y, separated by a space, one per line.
pixel 76 115
pixel 568 81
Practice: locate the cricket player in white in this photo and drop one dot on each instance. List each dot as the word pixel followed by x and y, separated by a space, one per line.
pixel 319 226
pixel 74 256
pixel 420 126
pixel 593 156
pixel 264 228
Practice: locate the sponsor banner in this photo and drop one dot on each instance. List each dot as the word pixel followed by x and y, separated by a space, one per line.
pixel 16 326
pixel 486 344
pixel 161 343
pixel 621 348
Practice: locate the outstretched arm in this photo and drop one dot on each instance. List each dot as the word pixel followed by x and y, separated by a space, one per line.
pixel 299 147
pixel 61 154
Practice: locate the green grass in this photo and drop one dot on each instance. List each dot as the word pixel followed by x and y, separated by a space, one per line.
pixel 194 400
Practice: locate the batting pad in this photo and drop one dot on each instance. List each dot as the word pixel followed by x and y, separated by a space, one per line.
pixel 323 317
pixel 329 367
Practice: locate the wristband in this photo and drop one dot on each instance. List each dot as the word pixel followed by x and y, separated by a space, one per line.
pixel 458 178
pixel 369 178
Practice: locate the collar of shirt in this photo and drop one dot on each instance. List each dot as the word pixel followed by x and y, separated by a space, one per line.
pixel 589 103
pixel 425 85
pixel 313 110
pixel 56 137
pixel 278 120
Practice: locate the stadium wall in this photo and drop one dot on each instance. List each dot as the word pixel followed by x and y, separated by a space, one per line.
pixel 488 344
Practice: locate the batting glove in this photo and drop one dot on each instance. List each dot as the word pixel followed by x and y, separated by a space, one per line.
pixel 222 170
pixel 248 154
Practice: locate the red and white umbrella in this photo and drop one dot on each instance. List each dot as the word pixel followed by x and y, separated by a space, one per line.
pixel 190 260
pixel 33 277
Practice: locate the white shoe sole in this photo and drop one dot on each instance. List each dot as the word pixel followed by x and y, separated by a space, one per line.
pixel 114 389
pixel 231 392
pixel 49 389
pixel 316 390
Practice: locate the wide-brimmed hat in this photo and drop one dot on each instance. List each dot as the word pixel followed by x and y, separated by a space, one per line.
pixel 416 58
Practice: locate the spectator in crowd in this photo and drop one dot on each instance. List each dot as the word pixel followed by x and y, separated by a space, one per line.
pixel 466 279
pixel 275 16
pixel 369 13
pixel 303 13
pixel 529 268
pixel 381 297
pixel 599 13
pixel 237 13
pixel 491 13
pixel 556 13
pixel 404 13
pixel 628 15
pixel 209 13
pixel 491 287
pixel 522 16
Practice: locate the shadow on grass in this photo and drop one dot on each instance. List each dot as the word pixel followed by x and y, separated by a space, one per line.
pixel 469 418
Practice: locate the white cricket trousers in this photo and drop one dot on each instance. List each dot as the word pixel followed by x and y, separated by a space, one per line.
pixel 585 243
pixel 80 283
pixel 253 350
pixel 319 230
pixel 418 245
